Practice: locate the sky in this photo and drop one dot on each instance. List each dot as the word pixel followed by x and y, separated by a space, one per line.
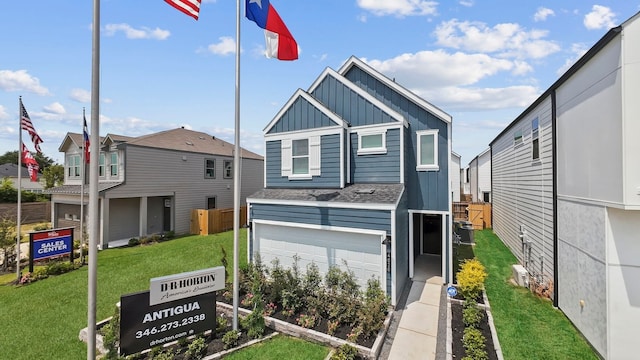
pixel 483 62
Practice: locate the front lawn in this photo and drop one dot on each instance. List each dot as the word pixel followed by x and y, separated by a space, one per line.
pixel 281 347
pixel 42 320
pixel 528 326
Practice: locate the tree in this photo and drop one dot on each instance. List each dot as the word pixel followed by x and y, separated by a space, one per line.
pixel 53 176
pixel 11 157
pixel 7 240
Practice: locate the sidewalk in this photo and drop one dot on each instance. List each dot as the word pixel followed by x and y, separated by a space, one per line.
pixel 417 333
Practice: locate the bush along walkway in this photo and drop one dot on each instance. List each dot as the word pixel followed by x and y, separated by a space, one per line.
pixel 528 326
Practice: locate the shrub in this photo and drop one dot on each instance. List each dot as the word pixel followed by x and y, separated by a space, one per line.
pixel 221 323
pixel 160 354
pixel 144 240
pixel 41 227
pixel 345 352
pixel 471 314
pixel 342 295
pixel 269 309
pixel 306 321
pixel 111 335
pixel 332 326
pixel 134 242
pixel 354 334
pixel 59 267
pixel 471 278
pixel 474 344
pixel 231 338
pixel 372 313
pixel 196 348
pixel 39 274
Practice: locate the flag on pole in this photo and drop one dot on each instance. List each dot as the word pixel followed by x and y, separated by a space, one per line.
pixel 86 144
pixel 189 7
pixel 30 161
pixel 280 43
pixel 26 124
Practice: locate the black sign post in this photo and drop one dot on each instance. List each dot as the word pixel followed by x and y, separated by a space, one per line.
pixel 143 326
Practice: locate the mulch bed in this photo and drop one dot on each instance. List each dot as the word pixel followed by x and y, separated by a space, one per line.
pixel 457 330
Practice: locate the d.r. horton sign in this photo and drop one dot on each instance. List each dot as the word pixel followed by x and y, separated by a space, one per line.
pixel 184 285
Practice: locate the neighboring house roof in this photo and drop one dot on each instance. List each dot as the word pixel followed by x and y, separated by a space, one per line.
pixel 75 189
pixel 181 139
pixel 11 170
pixel 356 193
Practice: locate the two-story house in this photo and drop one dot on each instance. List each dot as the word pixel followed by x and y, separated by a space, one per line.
pixel 150 184
pixel 356 176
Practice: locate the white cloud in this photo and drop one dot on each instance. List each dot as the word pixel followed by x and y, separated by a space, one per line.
pixel 399 8
pixel 80 95
pixel 141 33
pixel 3 113
pixel 467 3
pixel 20 80
pixel 600 17
pixel 226 46
pixel 542 14
pixel 507 39
pixel 477 99
pixel 577 51
pixel 55 108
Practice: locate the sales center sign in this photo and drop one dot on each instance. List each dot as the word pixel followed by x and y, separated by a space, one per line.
pixel 51 243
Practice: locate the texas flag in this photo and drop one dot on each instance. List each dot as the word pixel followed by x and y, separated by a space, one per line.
pixel 280 44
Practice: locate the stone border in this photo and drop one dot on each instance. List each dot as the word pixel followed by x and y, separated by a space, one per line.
pixel 318 337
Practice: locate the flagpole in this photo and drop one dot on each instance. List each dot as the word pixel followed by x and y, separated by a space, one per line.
pixel 94 231
pixel 19 209
pixel 84 170
pixel 236 176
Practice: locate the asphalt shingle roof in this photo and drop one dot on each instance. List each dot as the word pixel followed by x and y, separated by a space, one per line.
pixel 75 189
pixel 356 193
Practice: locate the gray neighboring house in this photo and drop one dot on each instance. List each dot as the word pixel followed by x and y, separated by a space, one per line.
pixel 480 177
pixel 11 171
pixel 356 170
pixel 150 184
pixel 566 191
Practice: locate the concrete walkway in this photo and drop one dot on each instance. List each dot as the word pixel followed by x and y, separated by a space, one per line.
pixel 417 333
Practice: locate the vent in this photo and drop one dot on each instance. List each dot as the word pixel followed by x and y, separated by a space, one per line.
pixel 365 191
pixel 189 143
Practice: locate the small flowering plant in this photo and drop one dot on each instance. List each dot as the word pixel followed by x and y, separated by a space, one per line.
pixel 269 309
pixel 247 301
pixel 227 295
pixel 354 334
pixel 306 321
pixel 25 279
pixel 332 326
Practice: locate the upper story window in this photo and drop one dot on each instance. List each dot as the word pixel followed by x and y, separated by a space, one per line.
pixel 427 150
pixel 517 137
pixel 535 142
pixel 209 168
pixel 101 165
pixel 300 157
pixel 114 164
pixel 228 169
pixel 73 166
pixel 372 142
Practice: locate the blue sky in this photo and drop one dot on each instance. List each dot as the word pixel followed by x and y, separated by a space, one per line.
pixel 482 62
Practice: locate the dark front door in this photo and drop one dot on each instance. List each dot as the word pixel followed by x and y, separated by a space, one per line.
pixel 166 215
pixel 432 234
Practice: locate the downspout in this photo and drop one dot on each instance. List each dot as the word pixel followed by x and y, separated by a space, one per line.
pixel 554 157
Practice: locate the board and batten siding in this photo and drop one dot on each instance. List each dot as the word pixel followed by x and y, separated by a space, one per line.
pixel 329 166
pixel 348 104
pixel 376 168
pixel 301 115
pixel 327 216
pixel 523 191
pixel 158 172
pixel 429 189
pixel 401 246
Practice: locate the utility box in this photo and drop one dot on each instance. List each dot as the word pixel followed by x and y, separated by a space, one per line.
pixel 520 275
pixel 466 232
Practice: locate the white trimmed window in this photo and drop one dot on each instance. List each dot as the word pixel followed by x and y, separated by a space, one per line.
pixel 209 168
pixel 228 169
pixel 300 157
pixel 73 166
pixel 101 161
pixel 113 165
pixel 372 142
pixel 427 156
pixel 517 137
pixel 535 142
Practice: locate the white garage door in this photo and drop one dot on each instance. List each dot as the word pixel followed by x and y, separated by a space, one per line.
pixel 362 251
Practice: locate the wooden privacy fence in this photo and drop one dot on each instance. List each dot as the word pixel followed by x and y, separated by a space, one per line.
pixel 213 221
pixel 32 212
pixel 479 214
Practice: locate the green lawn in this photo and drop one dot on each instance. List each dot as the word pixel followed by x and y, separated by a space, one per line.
pixel 528 327
pixel 42 320
pixel 281 347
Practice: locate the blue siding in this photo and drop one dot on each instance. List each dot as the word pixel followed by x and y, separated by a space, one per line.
pixel 329 166
pixel 350 218
pixel 348 104
pixel 402 245
pixel 301 115
pixel 428 189
pixel 383 168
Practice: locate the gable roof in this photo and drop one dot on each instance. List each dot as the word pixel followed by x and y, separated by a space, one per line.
pixel 315 103
pixel 354 61
pixel 11 170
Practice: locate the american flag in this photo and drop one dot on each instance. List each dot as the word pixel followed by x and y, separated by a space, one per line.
pixel 189 7
pixel 86 144
pixel 30 161
pixel 26 124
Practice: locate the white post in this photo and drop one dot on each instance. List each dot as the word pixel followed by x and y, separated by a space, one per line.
pixel 19 208
pixel 236 177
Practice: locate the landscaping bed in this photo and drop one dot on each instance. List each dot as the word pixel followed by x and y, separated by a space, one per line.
pixel 457 332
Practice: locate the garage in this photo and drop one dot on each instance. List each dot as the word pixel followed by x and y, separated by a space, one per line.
pixel 362 249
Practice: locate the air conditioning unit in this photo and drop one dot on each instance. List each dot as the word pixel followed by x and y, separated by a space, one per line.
pixel 520 275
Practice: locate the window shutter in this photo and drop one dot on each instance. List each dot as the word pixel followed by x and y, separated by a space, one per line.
pixel 285 146
pixel 314 155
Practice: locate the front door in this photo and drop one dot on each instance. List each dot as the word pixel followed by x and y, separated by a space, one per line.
pixel 166 215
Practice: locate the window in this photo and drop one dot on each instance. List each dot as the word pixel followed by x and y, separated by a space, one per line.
pixel 209 169
pixel 102 160
pixel 211 202
pixel 427 150
pixel 114 164
pixel 517 137
pixel 73 169
pixel 228 169
pixel 535 143
pixel 486 196
pixel 300 156
pixel 372 142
